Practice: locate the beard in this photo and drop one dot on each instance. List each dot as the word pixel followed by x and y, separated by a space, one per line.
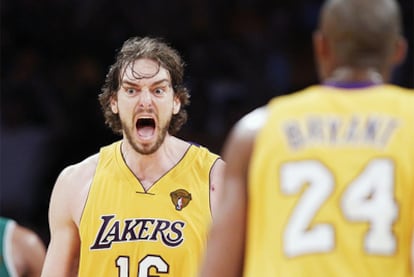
pixel 148 148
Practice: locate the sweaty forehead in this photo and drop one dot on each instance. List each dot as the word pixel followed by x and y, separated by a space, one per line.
pixel 144 70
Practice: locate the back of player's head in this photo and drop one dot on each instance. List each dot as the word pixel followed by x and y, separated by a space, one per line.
pixel 362 33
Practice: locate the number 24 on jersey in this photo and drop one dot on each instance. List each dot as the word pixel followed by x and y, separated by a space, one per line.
pixel 368 198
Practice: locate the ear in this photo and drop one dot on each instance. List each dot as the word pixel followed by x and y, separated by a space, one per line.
pixel 322 48
pixel 318 45
pixel 400 51
pixel 323 54
pixel 176 105
pixel 114 104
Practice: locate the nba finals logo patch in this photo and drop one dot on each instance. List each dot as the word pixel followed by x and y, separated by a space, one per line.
pixel 180 198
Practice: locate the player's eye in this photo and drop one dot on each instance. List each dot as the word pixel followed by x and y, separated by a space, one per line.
pixel 160 90
pixel 130 91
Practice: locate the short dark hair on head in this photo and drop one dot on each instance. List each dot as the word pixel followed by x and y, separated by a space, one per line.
pixel 363 32
pixel 157 50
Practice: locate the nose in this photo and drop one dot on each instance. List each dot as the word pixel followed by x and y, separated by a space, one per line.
pixel 145 99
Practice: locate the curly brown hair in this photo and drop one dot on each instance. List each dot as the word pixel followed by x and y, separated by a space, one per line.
pixel 157 50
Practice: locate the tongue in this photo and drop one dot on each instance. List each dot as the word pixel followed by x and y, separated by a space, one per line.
pixel 146 131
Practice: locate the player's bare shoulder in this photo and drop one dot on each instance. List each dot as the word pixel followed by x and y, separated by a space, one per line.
pixel 238 146
pixel 81 172
pixel 72 186
pixel 251 123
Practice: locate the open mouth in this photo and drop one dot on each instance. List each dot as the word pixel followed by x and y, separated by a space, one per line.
pixel 145 127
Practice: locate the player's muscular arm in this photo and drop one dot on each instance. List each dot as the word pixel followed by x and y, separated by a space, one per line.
pixel 66 204
pixel 217 174
pixel 63 249
pixel 232 200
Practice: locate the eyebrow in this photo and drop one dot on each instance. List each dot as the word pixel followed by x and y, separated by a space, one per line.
pixel 125 82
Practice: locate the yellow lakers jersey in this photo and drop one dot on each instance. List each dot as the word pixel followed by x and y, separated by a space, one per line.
pixel 331 184
pixel 128 232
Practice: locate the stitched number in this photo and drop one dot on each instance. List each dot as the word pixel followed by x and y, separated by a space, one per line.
pixel 298 237
pixel 122 263
pixel 144 266
pixel 152 261
pixel 369 198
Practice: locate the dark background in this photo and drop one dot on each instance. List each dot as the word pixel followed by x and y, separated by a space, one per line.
pixel 55 54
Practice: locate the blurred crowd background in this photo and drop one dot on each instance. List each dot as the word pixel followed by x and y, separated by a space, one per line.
pixel 55 54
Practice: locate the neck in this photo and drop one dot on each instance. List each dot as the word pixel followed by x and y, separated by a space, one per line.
pixel 149 168
pixel 352 75
pixel 140 162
